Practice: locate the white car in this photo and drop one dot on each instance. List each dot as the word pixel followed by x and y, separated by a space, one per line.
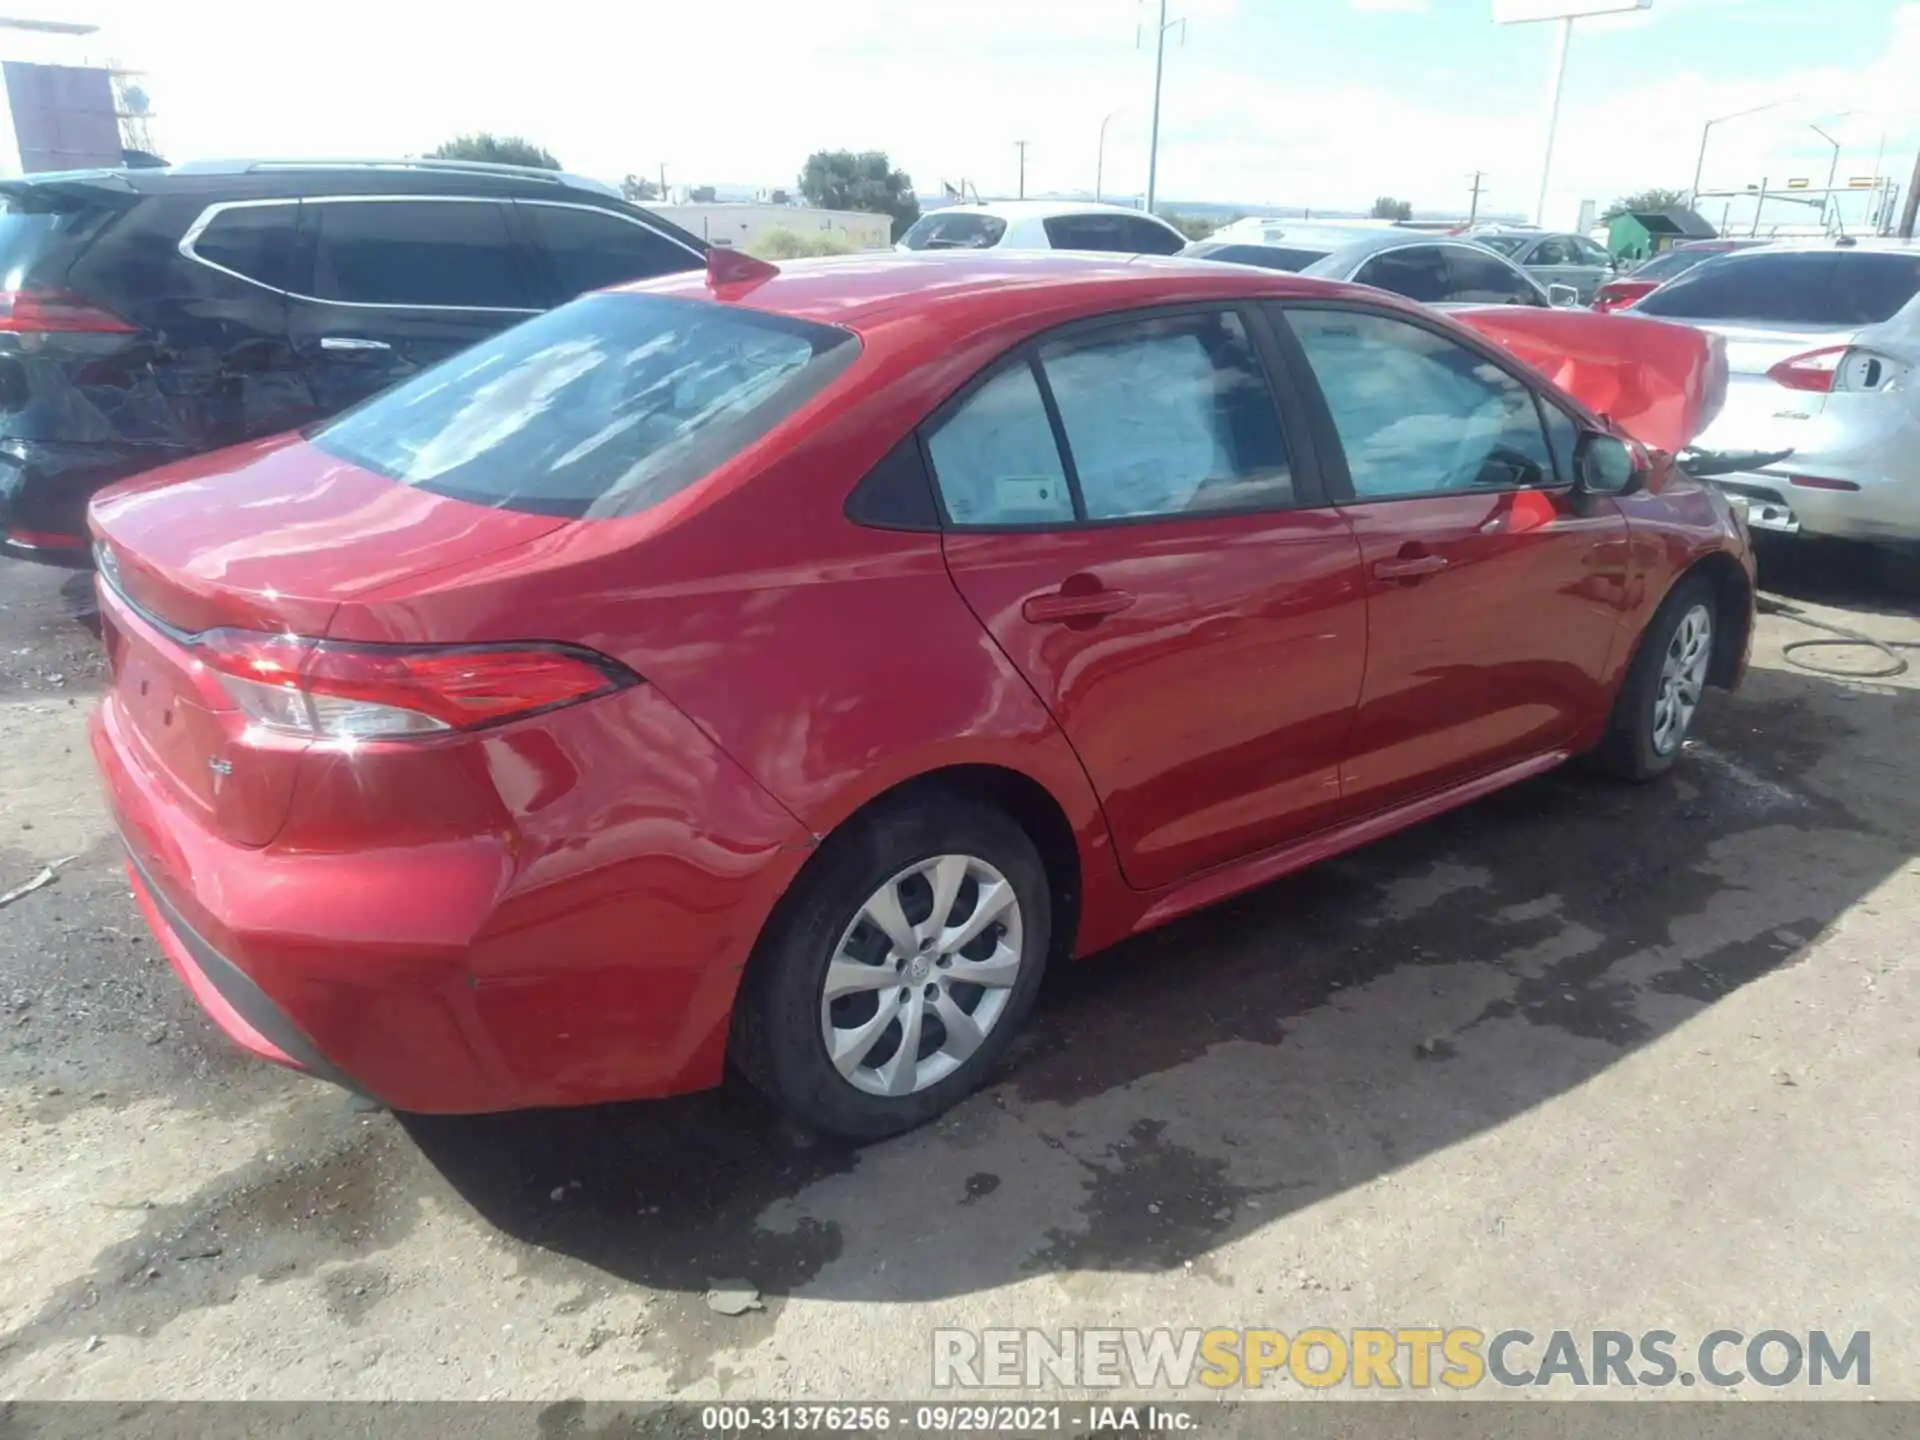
pixel 1823 346
pixel 1043 225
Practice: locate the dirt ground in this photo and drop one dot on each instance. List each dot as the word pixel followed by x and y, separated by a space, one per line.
pixel 1578 1056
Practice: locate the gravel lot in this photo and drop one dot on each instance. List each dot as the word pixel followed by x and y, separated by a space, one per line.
pixel 1578 1056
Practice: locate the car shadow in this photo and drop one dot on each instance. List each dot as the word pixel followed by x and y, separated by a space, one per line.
pixel 1184 1089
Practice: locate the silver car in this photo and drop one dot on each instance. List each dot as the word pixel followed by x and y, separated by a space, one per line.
pixel 1554 258
pixel 1823 354
pixel 1432 269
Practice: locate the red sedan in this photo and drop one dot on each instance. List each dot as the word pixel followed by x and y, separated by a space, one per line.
pixel 785 667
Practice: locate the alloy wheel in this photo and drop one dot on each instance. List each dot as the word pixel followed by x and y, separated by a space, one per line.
pixel 921 975
pixel 1683 675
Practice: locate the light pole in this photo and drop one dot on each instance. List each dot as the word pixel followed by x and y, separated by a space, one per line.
pixel 1833 167
pixel 1100 158
pixel 1023 167
pixel 1159 64
pixel 1706 130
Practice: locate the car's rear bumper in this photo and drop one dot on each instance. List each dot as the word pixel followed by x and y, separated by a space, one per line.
pixel 45 486
pixel 1877 511
pixel 583 946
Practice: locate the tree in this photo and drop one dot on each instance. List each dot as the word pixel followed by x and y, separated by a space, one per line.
pixel 636 189
pixel 843 180
pixel 497 149
pixel 1388 208
pixel 1646 202
pixel 701 195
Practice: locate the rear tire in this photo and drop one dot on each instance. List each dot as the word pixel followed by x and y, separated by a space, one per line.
pixel 862 922
pixel 1661 694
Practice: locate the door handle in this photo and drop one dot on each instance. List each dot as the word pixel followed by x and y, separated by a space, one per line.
pixel 1065 606
pixel 1409 567
pixel 352 343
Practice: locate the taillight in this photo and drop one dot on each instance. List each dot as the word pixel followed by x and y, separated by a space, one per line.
pixel 325 690
pixel 1843 369
pixel 55 312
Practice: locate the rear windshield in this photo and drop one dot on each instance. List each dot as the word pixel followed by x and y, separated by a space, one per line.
pixel 1268 257
pixel 605 406
pixel 37 234
pixel 954 230
pixel 1828 288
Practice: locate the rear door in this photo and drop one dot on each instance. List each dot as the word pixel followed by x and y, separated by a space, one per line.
pixel 576 248
pixel 392 284
pixel 1493 595
pixel 1143 532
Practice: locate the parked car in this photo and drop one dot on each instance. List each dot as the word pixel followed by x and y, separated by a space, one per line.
pixel 1823 345
pixel 1043 225
pixel 1435 271
pixel 154 314
pixel 1554 258
pixel 1622 291
pixel 784 667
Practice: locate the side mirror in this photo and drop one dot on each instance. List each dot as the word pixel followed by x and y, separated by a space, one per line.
pixel 1561 296
pixel 1603 465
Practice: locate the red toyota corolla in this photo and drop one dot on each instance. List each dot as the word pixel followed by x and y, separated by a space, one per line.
pixel 784 666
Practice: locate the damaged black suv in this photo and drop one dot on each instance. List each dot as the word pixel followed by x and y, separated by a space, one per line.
pixel 149 315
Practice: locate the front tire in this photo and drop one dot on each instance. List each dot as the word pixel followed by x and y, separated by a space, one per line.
pixel 895 979
pixel 1661 695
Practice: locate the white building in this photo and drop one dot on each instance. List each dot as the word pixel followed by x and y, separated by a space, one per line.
pixel 738 226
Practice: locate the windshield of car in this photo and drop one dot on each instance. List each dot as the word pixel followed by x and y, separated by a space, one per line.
pixel 954 230
pixel 1669 263
pixel 1826 288
pixel 1505 244
pixel 605 406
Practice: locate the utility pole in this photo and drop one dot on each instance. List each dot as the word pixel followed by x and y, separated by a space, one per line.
pixel 1159 64
pixel 1912 210
pixel 1473 211
pixel 1023 167
pixel 663 182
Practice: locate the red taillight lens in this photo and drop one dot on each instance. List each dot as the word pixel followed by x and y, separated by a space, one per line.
pixel 1812 371
pixel 325 690
pixel 54 312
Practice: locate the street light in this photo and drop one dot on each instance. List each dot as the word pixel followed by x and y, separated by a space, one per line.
pixel 1693 195
pixel 1159 63
pixel 1100 159
pixel 1833 167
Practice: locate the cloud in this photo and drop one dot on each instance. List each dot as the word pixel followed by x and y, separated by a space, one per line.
pixel 1397 7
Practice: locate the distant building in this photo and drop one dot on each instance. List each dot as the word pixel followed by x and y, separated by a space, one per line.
pixel 57 117
pixel 737 226
pixel 1637 235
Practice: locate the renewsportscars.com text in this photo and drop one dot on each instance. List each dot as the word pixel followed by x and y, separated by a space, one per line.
pixel 1394 1358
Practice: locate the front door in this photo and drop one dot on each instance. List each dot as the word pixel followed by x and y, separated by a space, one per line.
pixel 1128 520
pixel 1494 593
pixel 393 284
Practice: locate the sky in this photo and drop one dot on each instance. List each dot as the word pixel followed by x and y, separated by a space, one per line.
pixel 1326 103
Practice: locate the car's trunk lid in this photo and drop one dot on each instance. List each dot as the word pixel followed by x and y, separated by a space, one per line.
pixel 271 537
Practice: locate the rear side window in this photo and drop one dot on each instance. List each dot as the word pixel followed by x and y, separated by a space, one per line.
pixel 1794 288
pixel 995 459
pixel 591 249
pixel 1418 272
pixel 954 230
pixel 1474 278
pixel 1144 237
pixel 605 406
pixel 254 242
pixel 448 253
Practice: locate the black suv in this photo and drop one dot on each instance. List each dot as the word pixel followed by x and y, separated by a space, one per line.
pixel 148 315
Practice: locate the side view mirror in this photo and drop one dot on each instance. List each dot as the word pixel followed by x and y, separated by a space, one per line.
pixel 1562 296
pixel 1604 465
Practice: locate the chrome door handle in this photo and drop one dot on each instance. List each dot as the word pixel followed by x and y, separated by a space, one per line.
pixel 352 343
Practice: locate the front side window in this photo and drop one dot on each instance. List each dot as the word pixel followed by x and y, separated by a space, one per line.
pixel 1590 253
pixel 1169 416
pixel 1551 251
pixel 1418 413
pixel 995 459
pixel 1418 272
pixel 251 241
pixel 592 249
pixel 602 407
pixel 447 253
pixel 1477 278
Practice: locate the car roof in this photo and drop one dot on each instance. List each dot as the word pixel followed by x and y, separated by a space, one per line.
pixel 871 291
pixel 1863 245
pixel 322 176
